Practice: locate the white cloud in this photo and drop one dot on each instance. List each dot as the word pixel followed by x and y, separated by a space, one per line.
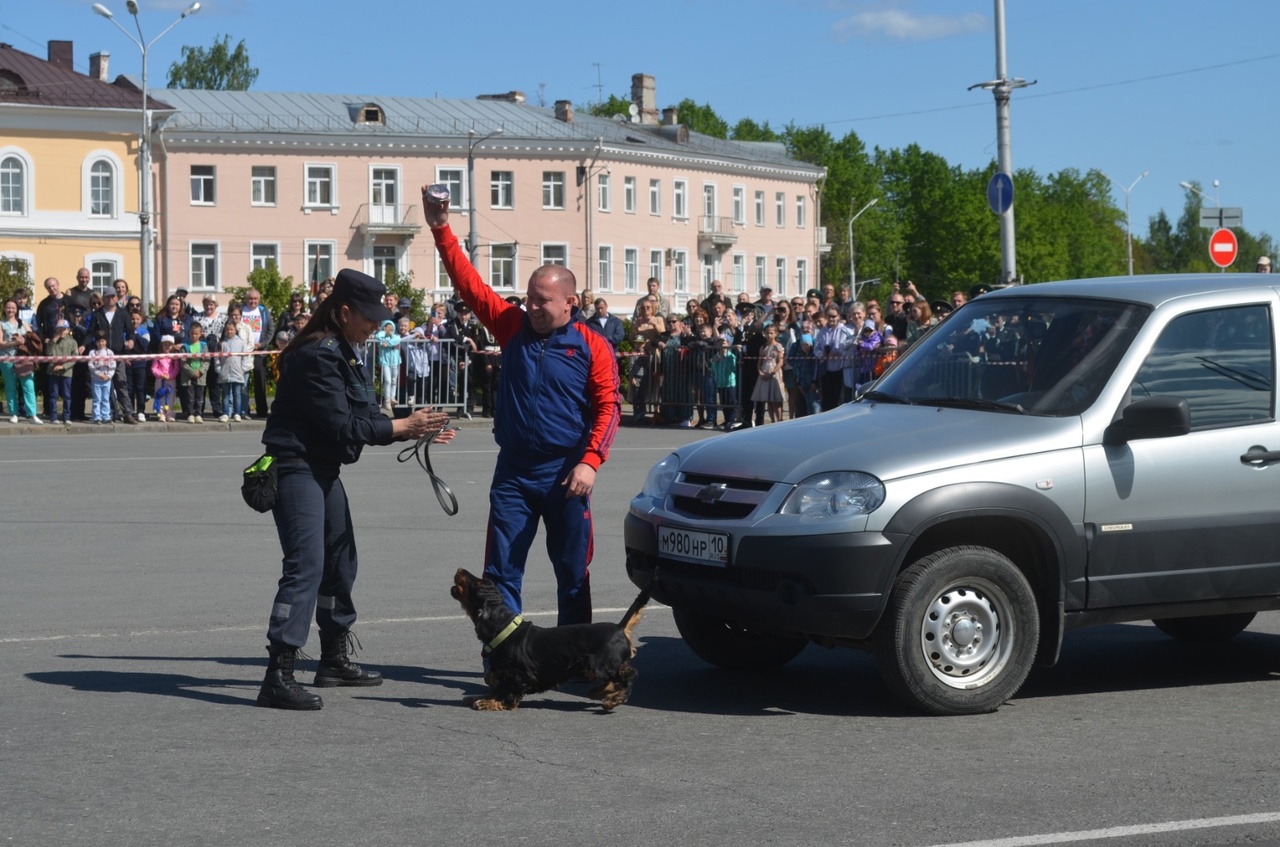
pixel 905 26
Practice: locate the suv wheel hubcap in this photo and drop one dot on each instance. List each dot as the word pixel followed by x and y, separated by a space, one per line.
pixel 963 635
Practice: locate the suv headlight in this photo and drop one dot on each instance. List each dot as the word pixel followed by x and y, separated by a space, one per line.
pixel 835 494
pixel 661 476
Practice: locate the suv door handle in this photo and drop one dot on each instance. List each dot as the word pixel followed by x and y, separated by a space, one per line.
pixel 1258 456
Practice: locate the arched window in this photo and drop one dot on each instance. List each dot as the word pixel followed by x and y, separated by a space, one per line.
pixel 102 189
pixel 13 179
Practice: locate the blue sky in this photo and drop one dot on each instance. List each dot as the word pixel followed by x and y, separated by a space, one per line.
pixel 1185 90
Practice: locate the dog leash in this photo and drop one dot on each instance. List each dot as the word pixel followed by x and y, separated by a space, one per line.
pixel 421 450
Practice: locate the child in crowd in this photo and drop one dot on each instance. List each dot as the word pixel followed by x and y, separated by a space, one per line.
pixel 165 370
pixel 388 362
pixel 102 367
pixel 803 393
pixel 413 358
pixel 724 368
pixel 137 368
pixel 60 372
pixel 194 375
pixel 768 389
pixel 703 348
pixel 233 372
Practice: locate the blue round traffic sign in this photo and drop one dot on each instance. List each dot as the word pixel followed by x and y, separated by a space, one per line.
pixel 1000 193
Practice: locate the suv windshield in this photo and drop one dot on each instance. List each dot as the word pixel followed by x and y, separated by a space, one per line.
pixel 1030 355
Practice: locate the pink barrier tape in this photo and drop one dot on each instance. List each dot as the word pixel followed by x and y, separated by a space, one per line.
pixel 133 357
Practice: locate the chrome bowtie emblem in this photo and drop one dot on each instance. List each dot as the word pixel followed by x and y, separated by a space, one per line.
pixel 713 492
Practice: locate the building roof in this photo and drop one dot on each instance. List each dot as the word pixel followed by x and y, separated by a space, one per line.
pixel 30 80
pixel 253 112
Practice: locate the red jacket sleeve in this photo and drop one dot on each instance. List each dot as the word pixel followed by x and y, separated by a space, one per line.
pixel 606 404
pixel 503 319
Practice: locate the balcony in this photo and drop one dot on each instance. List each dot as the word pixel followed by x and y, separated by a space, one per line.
pixel 824 246
pixel 716 231
pixel 373 219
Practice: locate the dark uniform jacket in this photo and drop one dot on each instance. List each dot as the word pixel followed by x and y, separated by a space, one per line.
pixel 324 411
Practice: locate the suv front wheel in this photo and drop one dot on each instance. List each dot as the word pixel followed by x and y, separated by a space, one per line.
pixel 729 645
pixel 960 631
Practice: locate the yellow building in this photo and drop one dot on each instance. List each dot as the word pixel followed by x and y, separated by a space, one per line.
pixel 68 168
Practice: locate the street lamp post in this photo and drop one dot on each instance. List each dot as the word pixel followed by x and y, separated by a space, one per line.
pixel 144 143
pixel 473 248
pixel 1214 200
pixel 1128 221
pixel 853 276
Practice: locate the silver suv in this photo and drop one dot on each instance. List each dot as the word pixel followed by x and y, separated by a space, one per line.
pixel 1048 457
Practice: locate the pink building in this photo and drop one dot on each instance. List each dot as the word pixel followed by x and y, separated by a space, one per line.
pixel 317 182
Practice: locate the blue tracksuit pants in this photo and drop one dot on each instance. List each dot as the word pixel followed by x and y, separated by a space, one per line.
pixel 518 499
pixel 319 569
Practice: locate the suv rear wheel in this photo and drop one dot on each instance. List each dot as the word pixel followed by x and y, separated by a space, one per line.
pixel 960 631
pixel 1205 629
pixel 735 647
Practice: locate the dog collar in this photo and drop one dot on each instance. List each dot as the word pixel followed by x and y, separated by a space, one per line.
pixel 502 636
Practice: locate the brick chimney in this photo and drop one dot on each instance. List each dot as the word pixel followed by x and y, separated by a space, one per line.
pixel 644 97
pixel 98 63
pixel 61 54
pixel 670 116
pixel 564 111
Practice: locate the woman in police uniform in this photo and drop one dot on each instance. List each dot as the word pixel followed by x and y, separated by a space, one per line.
pixel 323 415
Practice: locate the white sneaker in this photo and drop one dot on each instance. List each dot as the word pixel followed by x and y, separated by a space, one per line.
pixel 236 418
pixel 36 420
pixel 223 419
pixel 142 418
pixel 199 419
pixel 13 419
pixel 192 419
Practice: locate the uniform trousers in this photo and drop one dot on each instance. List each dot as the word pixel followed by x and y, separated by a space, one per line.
pixel 314 525
pixel 518 499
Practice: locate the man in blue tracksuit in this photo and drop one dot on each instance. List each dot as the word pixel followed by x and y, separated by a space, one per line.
pixel 555 419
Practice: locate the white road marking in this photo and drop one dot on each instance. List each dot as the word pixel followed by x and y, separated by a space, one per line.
pixel 1120 831
pixel 35 639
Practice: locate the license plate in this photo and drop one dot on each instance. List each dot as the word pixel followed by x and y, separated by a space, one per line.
pixel 708 547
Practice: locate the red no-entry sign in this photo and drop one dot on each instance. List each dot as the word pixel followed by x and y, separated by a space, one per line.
pixel 1223 247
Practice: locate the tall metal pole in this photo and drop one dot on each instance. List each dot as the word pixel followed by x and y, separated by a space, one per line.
pixel 473 245
pixel 853 276
pixel 1128 221
pixel 1002 87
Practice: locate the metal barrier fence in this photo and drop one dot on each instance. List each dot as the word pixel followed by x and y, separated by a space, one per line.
pixel 435 372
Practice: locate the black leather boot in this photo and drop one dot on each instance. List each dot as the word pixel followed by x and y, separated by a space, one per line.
pixel 336 668
pixel 280 690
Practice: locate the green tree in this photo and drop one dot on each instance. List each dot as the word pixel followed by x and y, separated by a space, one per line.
pixel 611 107
pixel 14 274
pixel 217 68
pixel 702 119
pixel 401 285
pixel 276 290
pixel 748 130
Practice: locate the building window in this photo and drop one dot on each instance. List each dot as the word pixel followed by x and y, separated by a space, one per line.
pixel 780 208
pixel 455 179
pixel 384 191
pixel 502 189
pixel 800 210
pixel 802 276
pixel 655 266
pixel 655 197
pixel 103 274
pixel 680 200
pixel 555 254
pixel 630 269
pixel 759 208
pixel 320 185
pixel 202 185
pixel 780 277
pixel 319 261
pixel 629 195
pixel 739 272
pixel 13 186
pixel 385 261
pixel 102 190
pixel 603 192
pixel 762 272
pixel 739 205
pixel 605 283
pixel 263 182
pixel 552 191
pixel 204 266
pixel 680 270
pixel 261 255
pixel 709 204
pixel 502 265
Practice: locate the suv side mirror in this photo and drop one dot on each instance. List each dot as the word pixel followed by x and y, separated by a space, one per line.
pixel 1155 417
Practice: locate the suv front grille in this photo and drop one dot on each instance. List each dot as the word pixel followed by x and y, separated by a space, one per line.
pixel 723 498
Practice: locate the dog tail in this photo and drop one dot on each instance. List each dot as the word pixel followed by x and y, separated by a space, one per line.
pixel 632 617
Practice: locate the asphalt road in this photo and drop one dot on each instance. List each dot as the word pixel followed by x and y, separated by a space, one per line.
pixel 135 587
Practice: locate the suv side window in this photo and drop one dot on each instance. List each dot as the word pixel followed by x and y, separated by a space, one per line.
pixel 1222 361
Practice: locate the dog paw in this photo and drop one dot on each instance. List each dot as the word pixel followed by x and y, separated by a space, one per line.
pixel 489 704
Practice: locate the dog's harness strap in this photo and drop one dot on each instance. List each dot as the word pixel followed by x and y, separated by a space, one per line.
pixel 502 636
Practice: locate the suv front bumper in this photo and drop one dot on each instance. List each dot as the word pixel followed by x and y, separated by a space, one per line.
pixel 832 585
